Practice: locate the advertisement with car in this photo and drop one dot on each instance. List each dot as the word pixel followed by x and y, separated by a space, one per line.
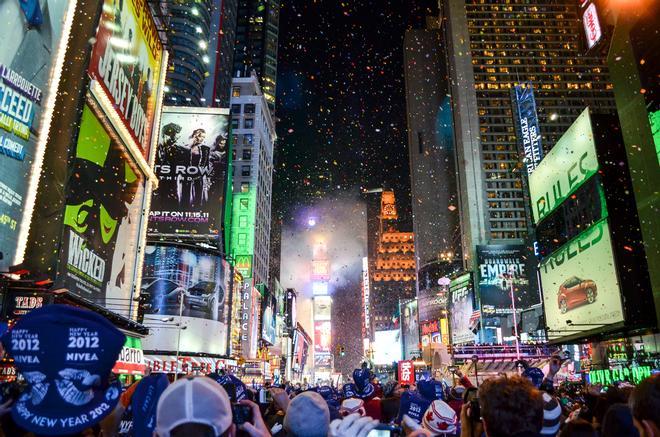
pixel 580 283
pixel 189 287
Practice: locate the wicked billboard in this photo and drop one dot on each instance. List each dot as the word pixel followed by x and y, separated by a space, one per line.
pixel 102 215
pixel 28 56
pixel 191 166
pixel 126 63
pixel 502 267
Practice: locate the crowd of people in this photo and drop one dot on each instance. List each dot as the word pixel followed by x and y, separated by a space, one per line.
pixel 65 356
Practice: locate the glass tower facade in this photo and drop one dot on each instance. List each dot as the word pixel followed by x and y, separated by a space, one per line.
pixel 257 31
pixel 508 44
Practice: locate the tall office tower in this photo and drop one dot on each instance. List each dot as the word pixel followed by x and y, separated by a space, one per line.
pixel 253 139
pixel 391 266
pixel 436 220
pixel 493 46
pixel 189 36
pixel 223 28
pixel 257 33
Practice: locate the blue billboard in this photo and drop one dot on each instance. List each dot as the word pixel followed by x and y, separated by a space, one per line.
pixel 527 125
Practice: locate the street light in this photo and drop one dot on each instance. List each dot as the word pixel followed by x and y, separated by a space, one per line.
pixel 475 360
pixel 515 319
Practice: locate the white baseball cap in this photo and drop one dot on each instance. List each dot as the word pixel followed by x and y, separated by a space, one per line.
pixel 193 400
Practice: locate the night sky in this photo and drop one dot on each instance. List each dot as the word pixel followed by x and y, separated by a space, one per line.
pixel 340 97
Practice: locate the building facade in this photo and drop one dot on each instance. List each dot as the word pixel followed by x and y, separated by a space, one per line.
pixel 490 48
pixel 189 38
pixel 223 30
pixel 253 139
pixel 436 220
pixel 257 32
pixel 391 266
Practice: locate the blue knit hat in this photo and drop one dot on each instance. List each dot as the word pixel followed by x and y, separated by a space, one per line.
pixel 66 355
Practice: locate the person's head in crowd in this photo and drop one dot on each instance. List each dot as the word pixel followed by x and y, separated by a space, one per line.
pixel 618 421
pixel 66 355
pixel 194 407
pixel 456 393
pixel 430 389
pixel 307 416
pixel 510 406
pixel 352 406
pixel 440 419
pixel 645 406
pixel 535 375
pixel 578 428
pixel 551 415
pixel 612 396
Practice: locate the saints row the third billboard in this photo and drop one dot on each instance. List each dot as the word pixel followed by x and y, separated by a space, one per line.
pixel 191 166
pixel 191 283
pixel 580 282
pixel 499 268
pixel 104 197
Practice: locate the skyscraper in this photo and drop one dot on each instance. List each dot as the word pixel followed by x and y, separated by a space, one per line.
pixel 490 48
pixel 391 264
pixel 224 29
pixel 189 34
pixel 257 33
pixel 253 139
pixel 436 221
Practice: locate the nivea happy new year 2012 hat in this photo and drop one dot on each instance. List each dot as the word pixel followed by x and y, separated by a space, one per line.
pixel 66 355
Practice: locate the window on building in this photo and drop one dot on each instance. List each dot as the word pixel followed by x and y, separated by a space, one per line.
pixel 244 204
pixel 236 91
pixel 247 154
pixel 234 123
pixel 245 170
pixel 236 108
pixel 245 187
pixel 248 123
pixel 242 239
pixel 242 221
pixel 248 138
pixel 249 108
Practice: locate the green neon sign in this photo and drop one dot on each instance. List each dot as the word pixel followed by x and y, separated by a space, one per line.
pixel 241 243
pixel 610 376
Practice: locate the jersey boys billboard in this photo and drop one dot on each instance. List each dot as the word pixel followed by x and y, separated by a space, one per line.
pixel 191 166
pixel 461 301
pixel 102 215
pixel 126 63
pixel 26 63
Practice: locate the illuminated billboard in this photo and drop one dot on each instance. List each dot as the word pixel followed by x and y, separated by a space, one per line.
pixel 366 296
pixel 195 283
pixel 320 270
pixel 243 222
pixel 319 288
pixel 462 307
pixel 322 307
pixel 501 267
pixel 268 333
pixel 387 347
pixel 527 125
pixel 104 198
pixel 409 328
pixel 126 63
pixel 580 282
pixel 30 65
pixel 322 337
pixel 191 166
pixel 569 164
pixel 591 23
